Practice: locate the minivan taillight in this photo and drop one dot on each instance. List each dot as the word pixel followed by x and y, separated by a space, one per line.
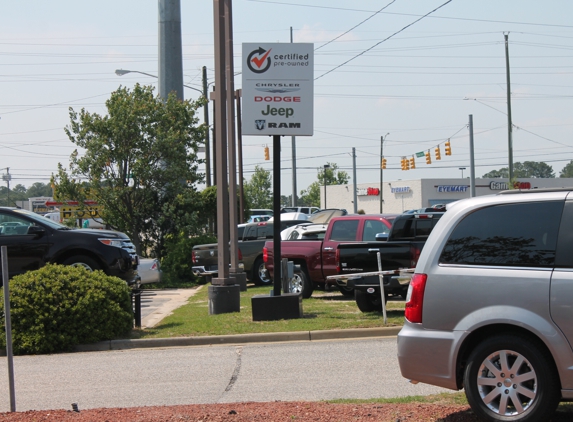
pixel 415 298
pixel 265 254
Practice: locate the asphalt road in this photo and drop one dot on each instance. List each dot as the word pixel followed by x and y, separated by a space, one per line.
pixel 308 370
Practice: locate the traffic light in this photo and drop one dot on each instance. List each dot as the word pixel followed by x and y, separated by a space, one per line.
pixel 406 164
pixel 428 158
pixel 448 148
pixel 383 163
pixel 267 155
pixel 403 163
pixel 412 163
pixel 438 154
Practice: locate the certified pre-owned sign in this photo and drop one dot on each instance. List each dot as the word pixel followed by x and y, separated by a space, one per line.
pixel 278 89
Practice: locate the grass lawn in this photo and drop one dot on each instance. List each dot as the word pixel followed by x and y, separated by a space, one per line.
pixel 323 311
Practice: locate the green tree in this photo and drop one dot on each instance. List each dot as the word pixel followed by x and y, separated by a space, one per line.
pixel 258 189
pixel 19 188
pixel 567 171
pixel 311 196
pixel 39 189
pixel 140 164
pixel 527 169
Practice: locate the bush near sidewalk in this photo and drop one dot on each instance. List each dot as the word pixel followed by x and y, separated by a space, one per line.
pixel 57 307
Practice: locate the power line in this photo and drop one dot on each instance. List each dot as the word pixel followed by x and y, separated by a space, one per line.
pixel 387 38
pixel 355 26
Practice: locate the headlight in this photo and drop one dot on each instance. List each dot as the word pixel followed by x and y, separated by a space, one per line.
pixel 112 242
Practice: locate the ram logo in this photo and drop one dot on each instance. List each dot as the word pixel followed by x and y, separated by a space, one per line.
pixel 260 124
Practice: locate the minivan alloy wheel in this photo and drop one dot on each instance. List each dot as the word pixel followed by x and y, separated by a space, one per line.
pixel 508 378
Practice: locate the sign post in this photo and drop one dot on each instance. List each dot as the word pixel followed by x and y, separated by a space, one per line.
pixel 278 98
pixel 8 324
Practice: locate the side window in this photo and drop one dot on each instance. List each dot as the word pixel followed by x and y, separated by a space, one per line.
pixel 12 226
pixel 506 235
pixel 344 230
pixel 372 228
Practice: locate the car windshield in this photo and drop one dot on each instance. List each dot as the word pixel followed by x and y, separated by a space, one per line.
pixel 41 219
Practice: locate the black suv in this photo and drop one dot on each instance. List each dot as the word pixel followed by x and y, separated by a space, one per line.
pixel 33 241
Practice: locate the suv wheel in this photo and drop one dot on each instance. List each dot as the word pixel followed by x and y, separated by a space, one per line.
pixel 369 302
pixel 508 378
pixel 82 261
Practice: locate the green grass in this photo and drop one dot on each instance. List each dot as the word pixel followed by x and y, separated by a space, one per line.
pixel 323 311
pixel 457 398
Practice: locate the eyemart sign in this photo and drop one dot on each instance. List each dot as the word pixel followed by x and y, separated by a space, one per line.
pixel 278 89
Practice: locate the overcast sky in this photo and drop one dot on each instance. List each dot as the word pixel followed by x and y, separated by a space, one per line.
pixel 410 78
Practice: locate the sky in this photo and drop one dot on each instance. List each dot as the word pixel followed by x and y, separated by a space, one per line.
pixel 409 71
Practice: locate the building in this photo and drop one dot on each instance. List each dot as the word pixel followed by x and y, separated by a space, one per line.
pixel 402 195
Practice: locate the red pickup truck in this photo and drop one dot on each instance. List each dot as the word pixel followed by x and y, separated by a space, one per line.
pixel 317 258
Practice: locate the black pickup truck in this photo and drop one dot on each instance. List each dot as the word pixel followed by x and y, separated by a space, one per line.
pixel 399 251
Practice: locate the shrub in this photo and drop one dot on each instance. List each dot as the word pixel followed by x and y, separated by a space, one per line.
pixel 176 264
pixel 57 307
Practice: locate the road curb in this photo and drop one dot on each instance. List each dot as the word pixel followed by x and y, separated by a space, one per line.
pixel 239 339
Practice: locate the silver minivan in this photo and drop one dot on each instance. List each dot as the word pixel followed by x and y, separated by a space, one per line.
pixel 490 306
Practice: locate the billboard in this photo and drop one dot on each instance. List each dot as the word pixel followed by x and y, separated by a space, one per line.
pixel 277 89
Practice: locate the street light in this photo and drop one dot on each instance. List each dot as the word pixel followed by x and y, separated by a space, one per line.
pixel 462 169
pixel 121 72
pixel 326 166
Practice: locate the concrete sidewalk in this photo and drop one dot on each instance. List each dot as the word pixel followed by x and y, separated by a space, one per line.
pixel 157 304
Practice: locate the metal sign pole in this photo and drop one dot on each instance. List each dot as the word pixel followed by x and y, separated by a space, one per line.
pixel 381 277
pixel 9 354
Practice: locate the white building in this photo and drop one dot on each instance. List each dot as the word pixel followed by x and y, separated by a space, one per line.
pixel 401 195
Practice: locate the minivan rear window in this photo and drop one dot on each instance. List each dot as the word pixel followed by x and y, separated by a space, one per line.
pixel 523 234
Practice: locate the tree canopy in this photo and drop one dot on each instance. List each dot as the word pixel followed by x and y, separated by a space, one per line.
pixel 311 196
pixel 139 162
pixel 258 189
pixel 527 169
pixel 567 171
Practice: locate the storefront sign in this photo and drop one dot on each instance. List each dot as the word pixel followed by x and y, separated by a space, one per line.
pixel 452 188
pixel 367 191
pixel 504 185
pixel 278 89
pixel 402 189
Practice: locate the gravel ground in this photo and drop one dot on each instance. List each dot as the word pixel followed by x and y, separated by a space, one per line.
pixel 243 412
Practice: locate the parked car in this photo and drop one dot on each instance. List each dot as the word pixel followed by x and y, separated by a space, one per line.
pixel 489 305
pixel 149 271
pixel 258 218
pixel 317 258
pixel 305 231
pixel 33 241
pixel 304 210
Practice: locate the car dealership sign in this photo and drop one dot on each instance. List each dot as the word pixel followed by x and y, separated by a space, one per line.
pixel 278 89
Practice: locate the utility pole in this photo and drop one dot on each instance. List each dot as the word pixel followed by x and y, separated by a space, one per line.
pixel 382 173
pixel 170 51
pixel 509 123
pixel 207 137
pixel 7 177
pixel 472 159
pixel 354 194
